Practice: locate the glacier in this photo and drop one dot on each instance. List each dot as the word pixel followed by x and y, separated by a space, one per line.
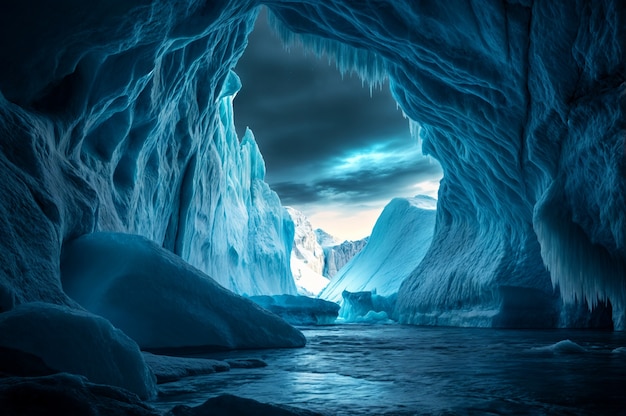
pixel 117 117
pixel 400 238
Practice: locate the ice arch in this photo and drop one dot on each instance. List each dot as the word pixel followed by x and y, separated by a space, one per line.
pixel 110 120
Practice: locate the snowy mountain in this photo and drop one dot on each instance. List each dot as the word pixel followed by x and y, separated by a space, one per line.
pixel 118 118
pixel 338 255
pixel 400 239
pixel 316 255
pixel 307 256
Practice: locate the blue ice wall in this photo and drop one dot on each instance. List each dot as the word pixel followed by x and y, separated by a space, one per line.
pixel 117 116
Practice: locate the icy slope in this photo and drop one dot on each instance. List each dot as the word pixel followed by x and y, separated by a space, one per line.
pixel 77 342
pixel 162 302
pixel 399 240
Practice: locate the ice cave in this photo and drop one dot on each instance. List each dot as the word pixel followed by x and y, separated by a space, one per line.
pixel 137 229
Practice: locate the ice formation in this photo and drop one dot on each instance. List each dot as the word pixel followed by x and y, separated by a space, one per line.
pixel 307 256
pixel 162 302
pixel 400 239
pixel 72 341
pixel 523 104
pixel 338 255
pixel 117 117
pixel 299 310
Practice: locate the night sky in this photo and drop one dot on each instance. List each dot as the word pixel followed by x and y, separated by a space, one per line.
pixel 330 149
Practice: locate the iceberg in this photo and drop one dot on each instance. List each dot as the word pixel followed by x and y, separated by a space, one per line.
pixel 400 239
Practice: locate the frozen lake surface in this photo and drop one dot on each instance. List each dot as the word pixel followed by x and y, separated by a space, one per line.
pixel 406 370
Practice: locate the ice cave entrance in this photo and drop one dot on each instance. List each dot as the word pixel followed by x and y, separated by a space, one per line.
pixel 335 143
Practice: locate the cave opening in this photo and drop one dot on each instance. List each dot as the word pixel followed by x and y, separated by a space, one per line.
pixel 335 147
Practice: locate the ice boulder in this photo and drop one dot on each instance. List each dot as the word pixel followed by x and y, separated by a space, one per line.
pixel 399 240
pixel 300 310
pixel 77 342
pixel 366 307
pixel 161 301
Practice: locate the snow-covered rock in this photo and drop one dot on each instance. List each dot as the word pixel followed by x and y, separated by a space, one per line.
pixel 316 256
pixel 161 301
pixel 307 256
pixel 338 255
pixel 72 341
pixel 399 240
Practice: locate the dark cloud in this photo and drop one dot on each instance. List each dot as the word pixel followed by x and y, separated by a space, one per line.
pixel 301 110
pixel 307 119
pixel 361 186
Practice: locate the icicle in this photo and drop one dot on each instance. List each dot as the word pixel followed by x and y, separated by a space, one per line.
pixel 370 67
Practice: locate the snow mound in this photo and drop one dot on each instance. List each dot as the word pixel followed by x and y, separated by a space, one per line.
pixel 299 310
pixel 161 301
pixel 167 368
pixel 562 347
pixel 77 342
pixel 399 240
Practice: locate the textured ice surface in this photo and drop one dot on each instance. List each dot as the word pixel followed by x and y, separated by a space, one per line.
pixel 162 302
pixel 113 117
pixel 119 118
pixel 523 105
pixel 77 342
pixel 399 240
pixel 167 368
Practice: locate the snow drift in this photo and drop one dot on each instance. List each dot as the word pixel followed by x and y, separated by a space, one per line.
pixel 162 302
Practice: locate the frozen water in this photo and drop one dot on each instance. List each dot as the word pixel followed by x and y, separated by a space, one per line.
pixel 404 370
pixel 167 368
